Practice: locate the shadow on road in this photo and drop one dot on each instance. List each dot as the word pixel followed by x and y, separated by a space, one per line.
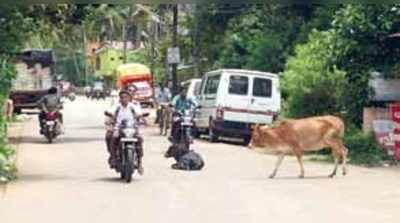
pixel 305 178
pixel 113 180
pixel 41 177
pixel 229 141
pixel 62 140
pixel 95 127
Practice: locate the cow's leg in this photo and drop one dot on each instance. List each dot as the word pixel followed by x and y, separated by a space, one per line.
pixel 336 159
pixel 344 160
pixel 338 153
pixel 277 165
pixel 299 157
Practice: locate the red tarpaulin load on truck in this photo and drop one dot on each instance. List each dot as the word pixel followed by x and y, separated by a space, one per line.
pixel 140 76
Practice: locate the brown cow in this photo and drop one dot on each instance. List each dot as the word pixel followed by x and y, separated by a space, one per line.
pixel 297 136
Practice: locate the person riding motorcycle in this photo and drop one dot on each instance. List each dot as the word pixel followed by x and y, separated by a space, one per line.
pixel 49 103
pixel 180 103
pixel 125 110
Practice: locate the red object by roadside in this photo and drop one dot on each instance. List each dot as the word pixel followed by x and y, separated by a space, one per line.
pixel 395 113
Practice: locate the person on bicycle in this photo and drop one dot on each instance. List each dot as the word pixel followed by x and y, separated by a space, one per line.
pixel 163 97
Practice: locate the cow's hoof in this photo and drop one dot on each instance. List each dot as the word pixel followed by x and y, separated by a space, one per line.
pixel 271 176
pixel 344 173
pixel 332 175
pixel 301 176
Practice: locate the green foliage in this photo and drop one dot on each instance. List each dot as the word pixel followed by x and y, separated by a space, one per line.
pixel 361 44
pixel 265 37
pixel 363 148
pixel 7 169
pixel 311 86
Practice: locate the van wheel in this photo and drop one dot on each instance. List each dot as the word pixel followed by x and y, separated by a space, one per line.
pixel 246 140
pixel 17 111
pixel 212 134
pixel 196 133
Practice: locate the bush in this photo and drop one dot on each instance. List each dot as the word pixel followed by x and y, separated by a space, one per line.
pixel 363 148
pixel 7 167
pixel 311 86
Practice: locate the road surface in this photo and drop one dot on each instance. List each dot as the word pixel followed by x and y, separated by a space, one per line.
pixel 70 182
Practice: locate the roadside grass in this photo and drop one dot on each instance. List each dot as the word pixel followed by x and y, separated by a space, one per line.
pixel 8 168
pixel 363 151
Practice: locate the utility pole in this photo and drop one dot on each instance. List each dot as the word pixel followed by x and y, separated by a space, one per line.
pixel 153 39
pixel 125 27
pixel 174 45
pixel 125 42
pixel 196 47
pixel 85 55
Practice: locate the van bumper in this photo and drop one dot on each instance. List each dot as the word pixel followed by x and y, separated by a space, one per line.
pixel 232 128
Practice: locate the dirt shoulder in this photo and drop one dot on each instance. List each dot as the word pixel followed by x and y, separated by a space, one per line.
pixel 15 131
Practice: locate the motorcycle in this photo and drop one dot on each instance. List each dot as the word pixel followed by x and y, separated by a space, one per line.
pixel 184 135
pixel 98 95
pixel 52 126
pixel 127 152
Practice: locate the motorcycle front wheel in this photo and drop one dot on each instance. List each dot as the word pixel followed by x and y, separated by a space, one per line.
pixel 129 165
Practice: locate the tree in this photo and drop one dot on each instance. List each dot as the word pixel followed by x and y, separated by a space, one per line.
pixel 311 86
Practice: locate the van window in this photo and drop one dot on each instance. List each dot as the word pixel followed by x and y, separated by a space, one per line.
pixel 212 84
pixel 238 85
pixel 262 87
pixel 197 86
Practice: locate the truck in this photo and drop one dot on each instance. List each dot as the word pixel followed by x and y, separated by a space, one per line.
pixel 140 77
pixel 33 79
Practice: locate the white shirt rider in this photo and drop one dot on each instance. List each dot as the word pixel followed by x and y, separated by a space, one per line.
pixel 130 113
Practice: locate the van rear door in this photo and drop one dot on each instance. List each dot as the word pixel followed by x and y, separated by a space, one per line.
pixel 208 98
pixel 237 98
pixel 263 101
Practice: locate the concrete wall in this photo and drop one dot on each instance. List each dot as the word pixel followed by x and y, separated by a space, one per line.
pixel 374 113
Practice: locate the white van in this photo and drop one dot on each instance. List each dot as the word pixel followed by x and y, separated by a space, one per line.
pixel 232 100
pixel 193 88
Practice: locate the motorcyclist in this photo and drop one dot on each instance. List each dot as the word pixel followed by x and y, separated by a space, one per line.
pixel 180 103
pixel 49 103
pixel 125 110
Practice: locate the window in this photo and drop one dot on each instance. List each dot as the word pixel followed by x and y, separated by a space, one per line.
pixel 212 84
pixel 238 85
pixel 262 87
pixel 197 86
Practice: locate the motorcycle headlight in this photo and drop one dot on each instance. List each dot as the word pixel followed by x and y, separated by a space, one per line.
pixel 176 119
pixel 129 133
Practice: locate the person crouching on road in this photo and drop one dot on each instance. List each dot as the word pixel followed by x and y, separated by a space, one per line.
pixel 125 110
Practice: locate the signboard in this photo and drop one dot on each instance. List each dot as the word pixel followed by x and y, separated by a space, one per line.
pixel 384 132
pixel 395 113
pixel 173 55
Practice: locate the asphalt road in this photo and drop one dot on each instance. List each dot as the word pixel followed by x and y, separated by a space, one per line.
pixel 69 181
